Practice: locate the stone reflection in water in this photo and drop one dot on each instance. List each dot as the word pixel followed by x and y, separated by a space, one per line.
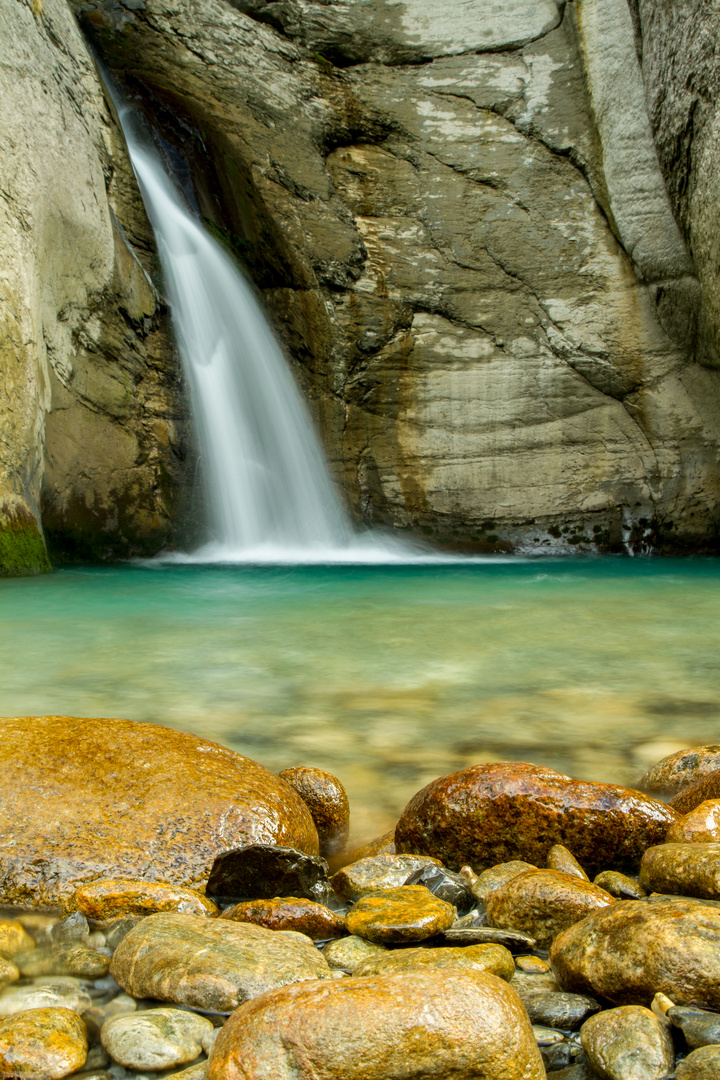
pixel 386 677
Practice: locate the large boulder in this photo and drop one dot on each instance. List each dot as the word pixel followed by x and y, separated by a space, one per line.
pixel 633 950
pixel 495 813
pixel 419 1023
pixel 86 799
pixel 676 771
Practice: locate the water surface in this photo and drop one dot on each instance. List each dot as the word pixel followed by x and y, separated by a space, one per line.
pixel 387 676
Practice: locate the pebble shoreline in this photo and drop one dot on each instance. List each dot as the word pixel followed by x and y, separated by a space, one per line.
pixel 471 941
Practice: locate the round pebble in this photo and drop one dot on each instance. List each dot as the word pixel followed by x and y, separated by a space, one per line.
pixel 409 913
pixel 155 1038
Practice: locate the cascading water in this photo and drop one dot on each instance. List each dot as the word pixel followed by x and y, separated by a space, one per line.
pixel 269 491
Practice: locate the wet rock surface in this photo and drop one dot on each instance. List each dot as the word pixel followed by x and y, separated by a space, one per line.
pixel 701 1064
pixel 493 813
pixel 513 940
pixel 681 769
pixel 453 888
pixel 633 949
pixel 134 813
pixel 556 1009
pixel 491 958
pixel 42 1044
pixel 260 871
pixel 211 964
pixel 620 885
pixel 688 798
pixel 406 914
pixel 14 938
pixel 399 1025
pixel 559 858
pixel 289 913
pixel 52 994
pixel 699 826
pixel 155 1039
pixel 684 869
pixel 63 960
pixel 628 1042
pixel 347 953
pixel 495 876
pixel 327 801
pixel 368 875
pixel 110 899
pixel 542 903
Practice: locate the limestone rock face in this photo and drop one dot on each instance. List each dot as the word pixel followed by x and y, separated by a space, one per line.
pixel 137 801
pixel 92 423
pixel 489 814
pixel 473 260
pixel 419 1023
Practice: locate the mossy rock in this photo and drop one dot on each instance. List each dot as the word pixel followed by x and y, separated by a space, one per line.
pixel 22 548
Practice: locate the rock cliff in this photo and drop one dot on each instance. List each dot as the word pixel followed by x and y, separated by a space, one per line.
pixel 496 287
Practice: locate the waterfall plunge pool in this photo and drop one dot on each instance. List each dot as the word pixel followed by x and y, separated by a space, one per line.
pixel 388 676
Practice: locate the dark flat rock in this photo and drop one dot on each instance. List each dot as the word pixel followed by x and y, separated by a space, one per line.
pixel 446 885
pixel 264 871
pixel 477 935
pixel 557 1009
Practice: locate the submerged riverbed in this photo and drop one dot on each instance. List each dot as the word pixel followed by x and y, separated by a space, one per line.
pixel 386 676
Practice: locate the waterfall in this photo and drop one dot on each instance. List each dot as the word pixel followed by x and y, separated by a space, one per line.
pixel 269 492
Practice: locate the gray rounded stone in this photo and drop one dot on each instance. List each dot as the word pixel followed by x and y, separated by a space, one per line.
pixel 155 1038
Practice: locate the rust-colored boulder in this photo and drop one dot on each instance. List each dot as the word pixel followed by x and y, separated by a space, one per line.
pixel 699 826
pixel 679 770
pixel 327 801
pixel 420 1023
pixel 498 812
pixel 685 869
pixel 42 1044
pixel 86 799
pixel 543 903
pixel 633 950
pixel 694 794
pixel 289 913
pixel 397 916
pixel 113 898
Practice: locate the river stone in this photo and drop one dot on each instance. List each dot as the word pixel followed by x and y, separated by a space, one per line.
pixel 14 939
pixel 513 940
pixel 633 950
pixel 8 972
pixel 408 913
pixel 289 913
pixel 700 1027
pixel 681 769
pixel 73 929
pixel 688 798
pixel 500 811
pixel 687 869
pixel 527 983
pixel 620 885
pixel 195 1072
pixel 42 1044
pixel 155 1038
pixel 495 876
pixel 543 903
pixel 557 1009
pixel 125 799
pixel 699 826
pixel 211 964
pixel 629 1043
pixel 327 801
pixel 68 959
pixel 347 953
pixel 377 872
pixel 115 898
pixel 118 929
pixel 493 958
pixel 534 965
pixel 453 888
pixel 381 845
pixel 263 871
pixel 701 1064
pixel 559 858
pixel 406 1025
pixel 50 995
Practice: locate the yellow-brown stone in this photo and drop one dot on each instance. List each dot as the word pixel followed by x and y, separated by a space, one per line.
pixel 42 1044
pixel 381 845
pixel 14 938
pixel 544 902
pixel 494 959
pixel 63 959
pixel 408 913
pixel 327 801
pixel 377 872
pixel 8 972
pixel 698 826
pixel 86 799
pixel 289 913
pixel 113 898
pixel 687 869
pixel 559 858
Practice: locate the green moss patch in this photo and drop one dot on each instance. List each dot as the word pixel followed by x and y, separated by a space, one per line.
pixel 22 548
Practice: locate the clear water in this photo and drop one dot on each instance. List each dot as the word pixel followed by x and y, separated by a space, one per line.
pixel 387 676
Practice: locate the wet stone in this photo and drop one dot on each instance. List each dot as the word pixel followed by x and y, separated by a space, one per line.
pixel 526 983
pixel 492 958
pixel 379 872
pixel 499 875
pixel 264 871
pixel 327 801
pixel 117 930
pixel 534 965
pixel 557 1009
pixel 679 770
pixel 42 1044
pixel 543 903
pixel 211 964
pixel 514 940
pixel 195 1072
pixel 50 995
pixel 68 959
pixel 559 858
pixel 119 1006
pixel 445 884
pixel 628 1042
pixel 560 1055
pixel 699 826
pixel 14 939
pixel 545 1036
pixel 688 798
pixel 289 913
pixel 684 869
pixel 620 885
pixel 406 914
pixel 381 845
pixel 113 898
pixel 347 953
pixel 699 1026
pixel 155 1038
pixel 8 972
pixel 73 930
pixel 701 1064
